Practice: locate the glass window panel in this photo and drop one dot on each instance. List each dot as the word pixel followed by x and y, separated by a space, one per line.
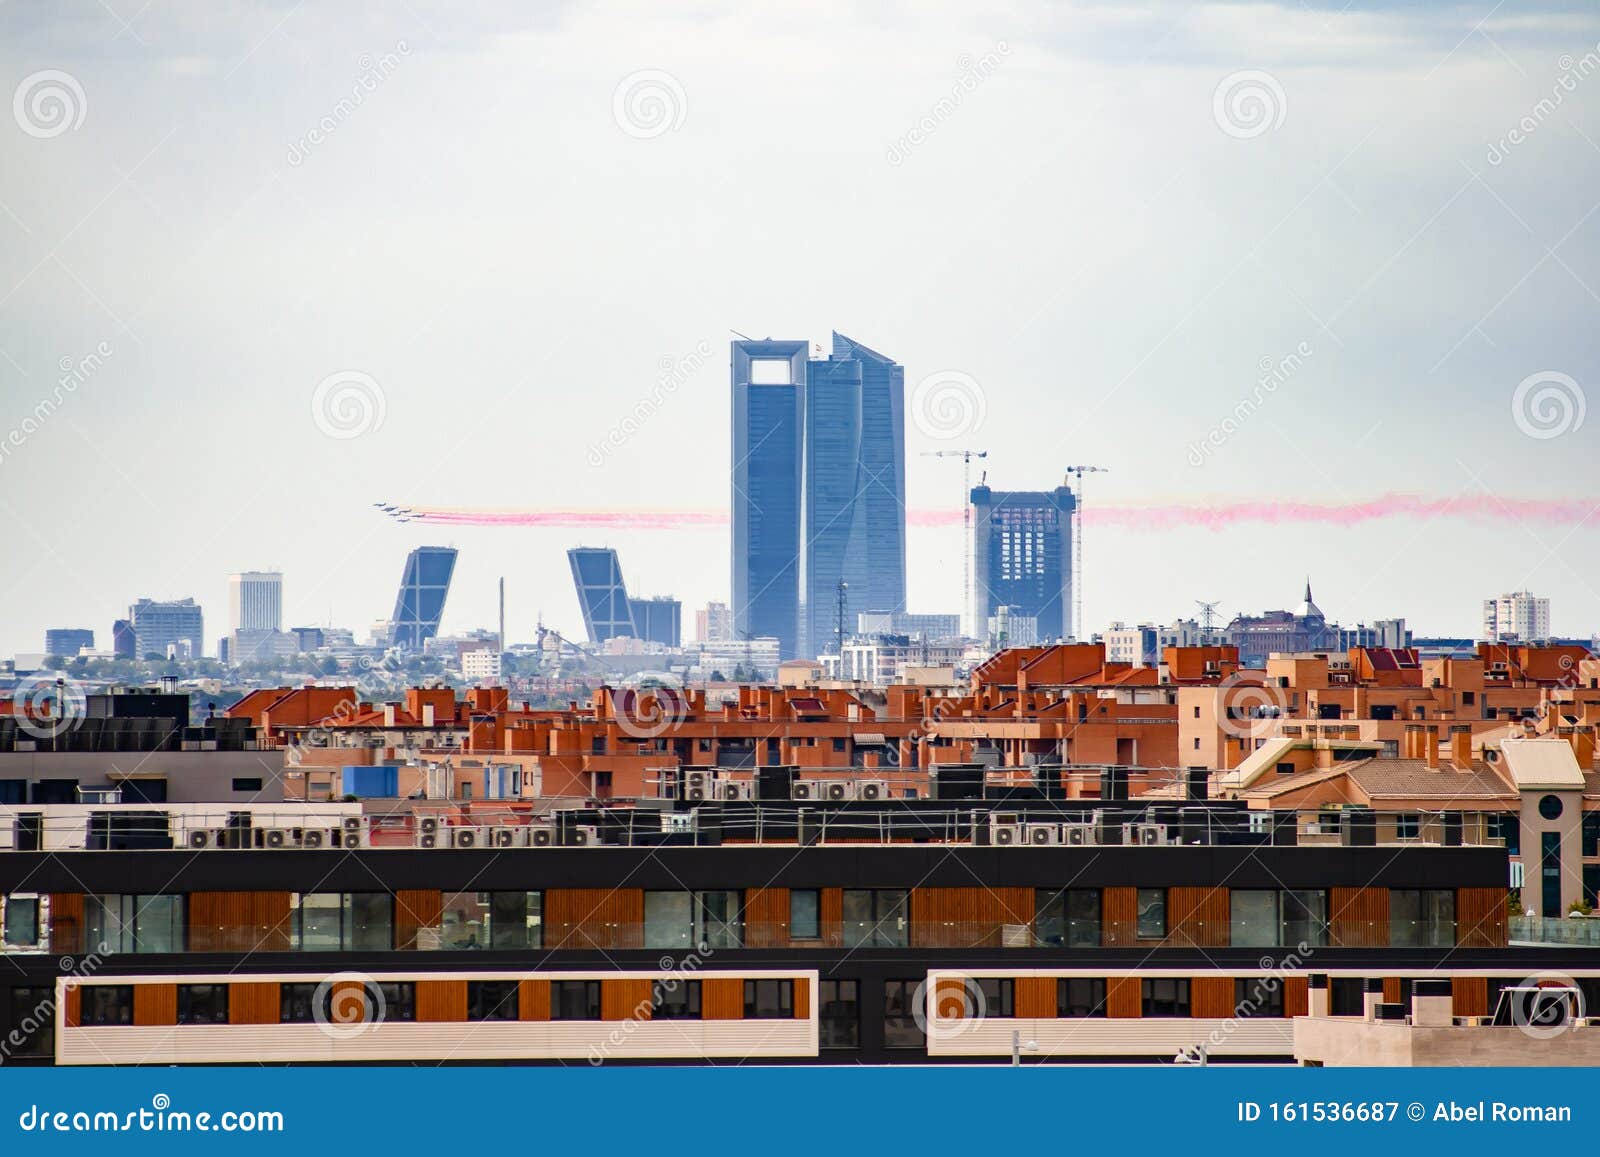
pixel 1083 917
pixel 890 927
pixel 1258 996
pixel 900 1027
pixel 721 923
pixel 1305 917
pixel 106 1004
pixel 805 914
pixel 318 916
pixel 858 918
pixel 492 1000
pixel 396 999
pixel 1152 923
pixel 768 999
pixel 1405 918
pixel 675 999
pixel 575 1000
pixel 1253 918
pixel 202 1004
pixel 22 921
pixel 158 924
pixel 369 921
pixel 838 1014
pixel 1080 996
pixel 668 919
pixel 1166 996
pixel 516 919
pixel 1439 917
pixel 295 1003
pixel 33 1021
pixel 464 921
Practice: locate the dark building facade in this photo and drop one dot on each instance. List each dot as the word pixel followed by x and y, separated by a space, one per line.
pixel 67 641
pixel 1022 557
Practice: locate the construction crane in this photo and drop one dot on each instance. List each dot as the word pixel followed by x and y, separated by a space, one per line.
pixel 1077 543
pixel 966 457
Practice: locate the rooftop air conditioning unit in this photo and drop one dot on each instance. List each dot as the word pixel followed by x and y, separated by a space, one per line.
pixel 1077 835
pixel 428 825
pixel 1150 835
pixel 465 838
pixel 804 790
pixel 1007 835
pixel 697 779
pixel 583 837
pixel 504 836
pixel 354 838
pixel 202 838
pixel 543 837
pixel 427 839
pixel 312 838
pixel 278 838
pixel 733 791
pixel 839 791
pixel 872 789
pixel 1039 834
pixel 352 823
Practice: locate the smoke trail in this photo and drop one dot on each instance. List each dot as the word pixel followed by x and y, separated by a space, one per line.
pixel 1169 516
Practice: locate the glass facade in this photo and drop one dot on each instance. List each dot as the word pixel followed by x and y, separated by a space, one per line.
pixel 342 922
pixel 419 606
pixel 133 923
pixel 1067 919
pixel 875 918
pixel 1422 918
pixel 768 381
pixel 497 920
pixel 703 920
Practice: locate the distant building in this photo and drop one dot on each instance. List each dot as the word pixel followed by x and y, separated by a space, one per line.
pixel 1138 646
pixel 658 620
pixel 424 586
pixel 1022 557
pixel 713 623
pixel 482 665
pixel 255 601
pixel 818 488
pixel 259 646
pixel 1518 617
pixel 1304 629
pixel 308 638
pixel 1009 627
pixel 167 629
pixel 67 641
pixel 124 643
pixel 903 623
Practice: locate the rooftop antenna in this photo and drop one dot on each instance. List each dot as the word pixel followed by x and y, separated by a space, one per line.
pixel 1208 614
pixel 1077 543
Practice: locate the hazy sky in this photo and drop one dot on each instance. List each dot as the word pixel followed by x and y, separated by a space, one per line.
pixel 1100 222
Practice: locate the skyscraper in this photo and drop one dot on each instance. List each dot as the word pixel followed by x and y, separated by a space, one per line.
pixel 1022 556
pixel 160 625
pixel 255 600
pixel 768 379
pixel 602 595
pixel 818 488
pixel 853 528
pixel 424 586
pixel 1519 616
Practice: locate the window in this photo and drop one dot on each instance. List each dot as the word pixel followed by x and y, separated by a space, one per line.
pixel 1165 996
pixel 343 922
pixel 33 1021
pixel 464 921
pixel 1080 996
pixel 1253 918
pixel 1551 807
pixel 875 918
pixel 1069 918
pixel 500 920
pixel 202 1004
pixel 693 919
pixel 900 1027
pixel 247 784
pixel 1422 918
pixel 392 1000
pixel 768 999
pixel 1591 833
pixel 838 1014
pixel 492 1000
pixel 21 922
pixel 1260 996
pixel 105 1004
pixel 805 914
pixel 574 1000
pixel 134 923
pixel 1346 996
pixel 1305 917
pixel 838 745
pixel 1407 826
pixel 990 996
pixel 674 999
pixel 296 1003
pixel 1152 921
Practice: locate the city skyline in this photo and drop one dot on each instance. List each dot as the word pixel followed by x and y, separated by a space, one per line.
pixel 1172 308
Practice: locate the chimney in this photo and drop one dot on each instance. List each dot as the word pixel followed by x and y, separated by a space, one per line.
pixel 427 714
pixel 388 714
pixel 1461 749
pixel 1431 738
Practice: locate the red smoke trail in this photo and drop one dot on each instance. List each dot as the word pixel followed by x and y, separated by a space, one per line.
pixel 1171 516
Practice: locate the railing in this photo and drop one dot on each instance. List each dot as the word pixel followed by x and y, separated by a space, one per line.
pixel 1581 931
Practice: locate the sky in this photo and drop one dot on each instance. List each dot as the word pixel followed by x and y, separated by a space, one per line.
pixel 265 264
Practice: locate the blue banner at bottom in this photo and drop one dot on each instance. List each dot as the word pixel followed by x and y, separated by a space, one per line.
pixel 792 1110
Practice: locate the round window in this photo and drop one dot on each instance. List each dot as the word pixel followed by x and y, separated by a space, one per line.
pixel 1550 807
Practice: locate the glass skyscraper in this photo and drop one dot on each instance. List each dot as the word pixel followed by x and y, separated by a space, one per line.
pixel 818 489
pixel 1022 557
pixel 420 604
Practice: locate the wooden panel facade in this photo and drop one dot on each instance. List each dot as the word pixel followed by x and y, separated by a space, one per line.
pixel 1296 996
pixel 1124 997
pixel 1197 917
pixel 1119 917
pixel 722 999
pixel 1481 919
pixel 1358 917
pixel 72 1014
pixel 802 998
pixel 831 906
pixel 1393 990
pixel 66 922
pixel 1035 996
pixel 155 1004
pixel 1469 996
pixel 415 909
pixel 1211 996
pixel 441 1000
pixel 239 921
pixel 253 1003
pixel 627 999
pixel 589 918
pixel 766 918
pixel 533 1000
pixel 967 917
